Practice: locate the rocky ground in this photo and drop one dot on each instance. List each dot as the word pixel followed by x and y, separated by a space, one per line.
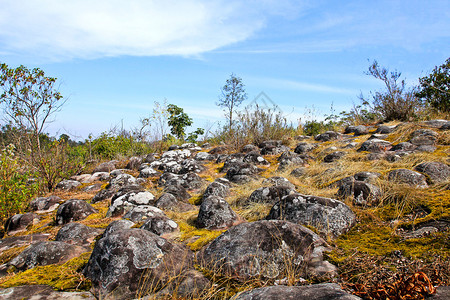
pixel 359 214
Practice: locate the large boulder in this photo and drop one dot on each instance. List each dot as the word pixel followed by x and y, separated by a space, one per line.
pixel 142 213
pixel 266 250
pixel 303 147
pixel 68 184
pixel 168 201
pixel 46 253
pixel 216 213
pixel 363 193
pixel 178 191
pixel 242 172
pixel 357 130
pixel 424 137
pixel 288 158
pixel 408 177
pixel 255 157
pixel 160 224
pixel 328 136
pixel 77 234
pixel 22 240
pixel 269 195
pixel 217 188
pixel 191 165
pixel 336 155
pixel 118 225
pixel 148 172
pixel 124 203
pixel 42 204
pixel 134 163
pixel 20 222
pixel 375 146
pixel 121 180
pixel 73 210
pixel 106 166
pixel 329 216
pixel 321 291
pixel 436 171
pixel 129 263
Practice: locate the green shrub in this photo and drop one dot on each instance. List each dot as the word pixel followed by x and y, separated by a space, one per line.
pixel 15 187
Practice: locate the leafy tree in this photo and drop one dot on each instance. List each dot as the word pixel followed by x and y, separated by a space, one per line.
pixel 396 103
pixel 193 136
pixel 435 88
pixel 233 94
pixel 29 99
pixel 178 121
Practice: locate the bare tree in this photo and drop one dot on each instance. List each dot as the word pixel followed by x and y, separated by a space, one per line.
pixel 233 94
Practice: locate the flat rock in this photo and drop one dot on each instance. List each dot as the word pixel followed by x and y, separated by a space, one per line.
pixel 131 261
pixel 329 216
pixel 409 177
pixel 142 213
pixel 68 184
pixel 375 146
pixel 20 222
pixel 41 292
pixel 216 213
pixel 23 240
pixel 45 204
pixel 46 253
pixel 436 171
pixel 311 292
pixel 77 234
pixel 266 249
pixel 73 210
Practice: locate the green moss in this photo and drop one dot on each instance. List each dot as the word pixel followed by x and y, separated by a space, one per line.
pixel 60 277
pixel 197 238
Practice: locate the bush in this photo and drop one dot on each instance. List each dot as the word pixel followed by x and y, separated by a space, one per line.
pixel 397 102
pixel 15 187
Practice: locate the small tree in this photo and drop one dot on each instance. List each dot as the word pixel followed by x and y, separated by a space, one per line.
pixel 435 88
pixel 178 121
pixel 28 100
pixel 233 94
pixel 397 102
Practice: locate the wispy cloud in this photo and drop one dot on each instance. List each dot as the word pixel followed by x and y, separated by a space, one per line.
pixel 90 29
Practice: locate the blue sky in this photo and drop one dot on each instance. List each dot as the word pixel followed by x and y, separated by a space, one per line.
pixel 114 58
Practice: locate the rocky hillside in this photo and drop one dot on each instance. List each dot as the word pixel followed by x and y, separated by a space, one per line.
pixel 359 214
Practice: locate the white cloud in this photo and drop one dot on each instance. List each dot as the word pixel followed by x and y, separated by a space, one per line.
pixel 90 29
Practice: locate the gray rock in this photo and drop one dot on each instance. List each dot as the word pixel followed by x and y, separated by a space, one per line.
pixel 274 150
pixel 125 203
pixel 204 156
pixel 121 181
pixel 242 172
pixel 45 203
pixel 442 293
pixel 421 232
pixel 383 129
pixel 219 150
pixel 129 261
pixel 445 126
pixel 160 224
pixel 118 225
pixel 269 195
pixel 328 136
pixel 321 291
pixel 288 159
pixel 68 185
pixel 367 176
pixel 178 191
pixel 266 249
pixel 106 166
pixel 278 181
pixel 436 123
pixel 41 292
pixel 357 130
pixel 422 137
pixel 168 201
pixel 216 213
pixel 134 163
pixel 409 177
pixel 149 158
pixel 270 143
pixel 329 216
pixel 249 148
pixel 24 240
pixel 375 146
pixel 231 161
pixel 193 285
pixel 334 156
pixel 142 213
pixel 191 165
pixel 77 234
pixel 175 155
pixel 255 157
pixel 298 172
pixel 304 147
pixel 20 222
pixel 148 172
pixel 189 180
pixel 436 171
pixel 363 193
pixel 46 253
pixel 404 146
pixel 218 189
pixel 426 148
pixel 73 210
